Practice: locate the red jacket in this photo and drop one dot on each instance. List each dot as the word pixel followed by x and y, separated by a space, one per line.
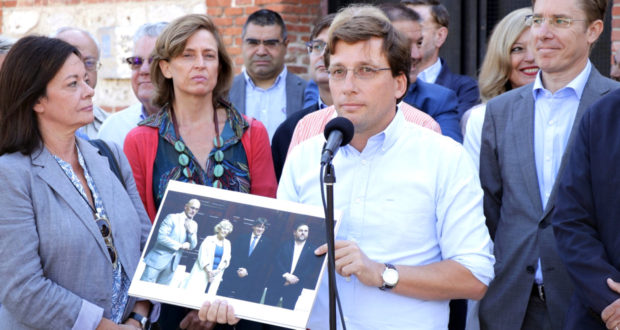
pixel 141 148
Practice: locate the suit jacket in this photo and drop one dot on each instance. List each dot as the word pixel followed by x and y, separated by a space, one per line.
pixel 54 256
pixel 585 220
pixel 515 217
pixel 295 87
pixel 283 135
pixel 438 102
pixel 251 286
pixel 465 87
pixel 170 236
pixel 198 278
pixel 307 269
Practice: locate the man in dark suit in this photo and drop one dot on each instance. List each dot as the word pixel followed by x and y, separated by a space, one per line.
pixel 247 277
pixel 433 69
pixel 585 220
pixel 318 73
pixel 265 89
pixel 437 101
pixel 296 268
pixel 525 134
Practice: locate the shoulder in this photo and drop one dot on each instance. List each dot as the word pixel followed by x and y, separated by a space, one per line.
pixel 295 80
pixel 502 101
pixel 16 162
pixel 141 132
pixel 434 89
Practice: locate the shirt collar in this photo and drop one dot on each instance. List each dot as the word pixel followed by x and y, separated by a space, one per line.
pixel 281 77
pixel 577 85
pixel 431 73
pixel 322 104
pixel 386 138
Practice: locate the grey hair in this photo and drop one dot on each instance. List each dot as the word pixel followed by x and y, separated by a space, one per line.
pixel 5 44
pixel 70 28
pixel 149 29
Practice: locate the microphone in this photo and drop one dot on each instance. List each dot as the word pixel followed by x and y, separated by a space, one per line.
pixel 338 132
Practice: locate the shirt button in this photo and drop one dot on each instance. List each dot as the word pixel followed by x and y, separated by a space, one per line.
pixel 548 158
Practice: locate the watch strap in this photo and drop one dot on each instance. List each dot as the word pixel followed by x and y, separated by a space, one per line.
pixel 143 320
pixel 386 286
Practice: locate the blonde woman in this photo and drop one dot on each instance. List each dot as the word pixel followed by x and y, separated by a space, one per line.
pixel 509 63
pixel 213 259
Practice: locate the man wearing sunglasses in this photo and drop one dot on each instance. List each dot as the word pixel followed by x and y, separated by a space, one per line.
pixel 116 127
pixel 265 89
pixel 87 45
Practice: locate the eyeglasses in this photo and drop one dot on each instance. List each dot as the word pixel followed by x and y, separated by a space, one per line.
pixel 268 43
pixel 135 62
pixel 104 229
pixel 555 21
pixel 92 64
pixel 362 72
pixel 316 46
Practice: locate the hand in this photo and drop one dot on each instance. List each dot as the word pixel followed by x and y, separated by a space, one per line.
pixel 351 260
pixel 219 311
pixel 191 321
pixel 242 272
pixel 290 279
pixel 185 246
pixel 191 226
pixel 611 313
pixel 131 324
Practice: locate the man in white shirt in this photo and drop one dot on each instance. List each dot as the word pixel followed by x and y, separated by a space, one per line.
pixel 116 127
pixel 266 90
pixel 412 236
pixel 525 135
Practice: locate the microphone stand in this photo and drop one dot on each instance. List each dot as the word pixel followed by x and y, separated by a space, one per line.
pixel 329 180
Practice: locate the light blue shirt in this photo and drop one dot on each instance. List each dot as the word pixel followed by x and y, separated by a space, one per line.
pixel 554 115
pixel 430 74
pixel 411 197
pixel 266 105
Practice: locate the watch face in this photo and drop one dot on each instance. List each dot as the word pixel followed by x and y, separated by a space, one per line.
pixel 390 276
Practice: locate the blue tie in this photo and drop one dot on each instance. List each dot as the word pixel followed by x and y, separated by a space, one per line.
pixel 252 245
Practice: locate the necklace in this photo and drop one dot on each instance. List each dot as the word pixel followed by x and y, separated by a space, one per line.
pixel 218 155
pixel 102 222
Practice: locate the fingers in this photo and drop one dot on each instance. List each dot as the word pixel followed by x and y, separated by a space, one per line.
pixel 615 286
pixel 321 250
pixel 202 313
pixel 218 311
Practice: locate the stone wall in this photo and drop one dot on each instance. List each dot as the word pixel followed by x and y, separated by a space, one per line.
pixel 114 22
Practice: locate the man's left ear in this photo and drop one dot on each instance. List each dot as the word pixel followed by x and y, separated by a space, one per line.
pixel 594 31
pixel 442 35
pixel 400 85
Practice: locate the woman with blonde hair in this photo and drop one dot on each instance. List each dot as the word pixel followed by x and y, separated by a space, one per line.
pixel 213 259
pixel 508 64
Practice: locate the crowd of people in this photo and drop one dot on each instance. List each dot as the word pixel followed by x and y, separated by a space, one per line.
pixel 467 204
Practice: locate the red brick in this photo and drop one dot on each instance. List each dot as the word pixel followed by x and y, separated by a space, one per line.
pixel 288 18
pixel 615 10
pixel 224 3
pixel 233 51
pixel 615 35
pixel 240 20
pixel 298 28
pixel 233 11
pixel 267 2
pixel 231 31
pixel 249 10
pixel 244 2
pixel 297 69
pixel 222 21
pixel 215 11
pixel 7 3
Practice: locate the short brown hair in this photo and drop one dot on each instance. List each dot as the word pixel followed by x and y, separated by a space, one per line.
pixel 361 23
pixel 171 44
pixel 438 11
pixel 594 9
pixel 321 24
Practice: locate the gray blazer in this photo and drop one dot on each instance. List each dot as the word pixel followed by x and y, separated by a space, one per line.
pixel 517 222
pixel 295 87
pixel 54 256
pixel 170 236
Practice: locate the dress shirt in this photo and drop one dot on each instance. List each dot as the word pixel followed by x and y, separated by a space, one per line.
pixel 397 213
pixel 554 114
pixel 116 127
pixel 430 74
pixel 473 133
pixel 267 105
pixel 297 248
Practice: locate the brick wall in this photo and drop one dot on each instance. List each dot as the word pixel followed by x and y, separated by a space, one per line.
pixel 615 23
pixel 113 23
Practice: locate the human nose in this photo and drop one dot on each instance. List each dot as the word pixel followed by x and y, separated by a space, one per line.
pixel 89 92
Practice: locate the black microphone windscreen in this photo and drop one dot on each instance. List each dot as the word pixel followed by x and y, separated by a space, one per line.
pixel 343 125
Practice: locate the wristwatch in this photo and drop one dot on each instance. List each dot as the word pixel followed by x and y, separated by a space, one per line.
pixel 144 321
pixel 390 277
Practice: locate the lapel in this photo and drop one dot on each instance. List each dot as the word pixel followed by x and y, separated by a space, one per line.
pixel 237 93
pixel 444 74
pixel 593 90
pixel 115 207
pixel 293 93
pixel 524 143
pixel 50 172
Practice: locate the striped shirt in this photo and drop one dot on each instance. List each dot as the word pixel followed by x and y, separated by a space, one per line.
pixel 314 123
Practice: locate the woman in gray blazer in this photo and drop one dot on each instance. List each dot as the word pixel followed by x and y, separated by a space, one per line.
pixel 70 234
